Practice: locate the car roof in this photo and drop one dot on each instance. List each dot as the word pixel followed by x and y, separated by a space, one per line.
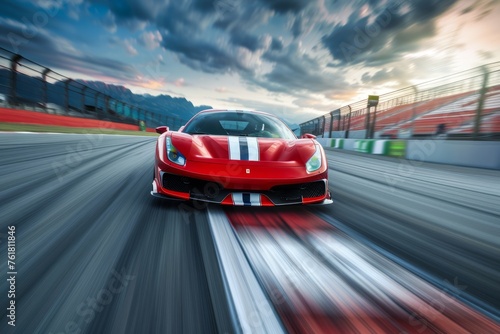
pixel 236 111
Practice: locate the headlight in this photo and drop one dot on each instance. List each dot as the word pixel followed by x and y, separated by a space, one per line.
pixel 173 155
pixel 314 163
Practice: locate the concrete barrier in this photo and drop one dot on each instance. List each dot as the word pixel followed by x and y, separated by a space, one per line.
pixel 364 146
pixel 393 148
pixel 480 154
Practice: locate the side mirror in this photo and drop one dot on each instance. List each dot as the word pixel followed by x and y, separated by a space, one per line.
pixel 161 129
pixel 308 135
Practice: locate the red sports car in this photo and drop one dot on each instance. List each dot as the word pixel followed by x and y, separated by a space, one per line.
pixel 235 157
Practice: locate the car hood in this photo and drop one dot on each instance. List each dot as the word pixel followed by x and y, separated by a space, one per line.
pixel 223 148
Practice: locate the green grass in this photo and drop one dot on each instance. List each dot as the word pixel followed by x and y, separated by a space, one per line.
pixel 64 129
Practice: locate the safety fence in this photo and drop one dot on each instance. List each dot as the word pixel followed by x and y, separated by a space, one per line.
pixel 460 106
pixel 25 84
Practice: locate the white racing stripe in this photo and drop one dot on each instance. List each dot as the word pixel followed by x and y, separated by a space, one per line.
pixel 243 148
pixel 253 149
pixel 253 309
pixel 234 148
pixel 247 199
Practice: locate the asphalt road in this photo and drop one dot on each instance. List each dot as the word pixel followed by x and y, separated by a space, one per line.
pixel 442 221
pixel 96 253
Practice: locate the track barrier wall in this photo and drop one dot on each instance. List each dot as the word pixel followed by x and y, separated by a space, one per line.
pixel 37 118
pixel 467 153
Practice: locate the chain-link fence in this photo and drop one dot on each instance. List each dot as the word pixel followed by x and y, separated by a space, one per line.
pixel 27 85
pixel 464 105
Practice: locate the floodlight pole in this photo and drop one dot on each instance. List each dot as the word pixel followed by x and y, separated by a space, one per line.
pixel 370 128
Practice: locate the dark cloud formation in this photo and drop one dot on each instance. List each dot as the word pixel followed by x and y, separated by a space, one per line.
pixel 20 38
pixel 206 6
pixel 298 26
pixel 286 6
pixel 284 46
pixel 244 15
pixel 202 55
pixel 276 44
pixel 124 10
pixel 185 25
pixel 361 38
pixel 376 39
pixel 54 53
pixel 176 20
pixel 294 71
pixel 246 40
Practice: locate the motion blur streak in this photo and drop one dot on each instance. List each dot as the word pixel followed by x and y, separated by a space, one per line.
pixel 252 308
pixel 443 220
pixel 95 253
pixel 323 281
pixel 405 248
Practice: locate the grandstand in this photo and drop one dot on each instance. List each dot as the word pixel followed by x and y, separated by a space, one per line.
pixel 466 105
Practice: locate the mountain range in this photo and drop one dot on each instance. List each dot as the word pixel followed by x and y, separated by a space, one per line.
pixel 29 90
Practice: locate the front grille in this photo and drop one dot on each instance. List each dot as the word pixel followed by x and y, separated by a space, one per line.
pixel 214 192
pixel 196 187
pixel 176 183
pixel 298 191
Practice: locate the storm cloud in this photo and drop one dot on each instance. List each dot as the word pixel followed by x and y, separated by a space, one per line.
pixel 361 38
pixel 298 48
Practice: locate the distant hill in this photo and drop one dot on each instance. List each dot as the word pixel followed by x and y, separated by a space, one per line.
pixel 161 104
pixel 29 89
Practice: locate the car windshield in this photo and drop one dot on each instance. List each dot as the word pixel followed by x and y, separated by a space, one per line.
pixel 238 124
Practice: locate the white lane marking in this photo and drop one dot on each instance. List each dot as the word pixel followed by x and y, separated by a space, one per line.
pixel 253 309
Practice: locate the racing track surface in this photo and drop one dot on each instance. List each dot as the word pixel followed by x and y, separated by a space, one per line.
pixel 94 252
pixel 442 219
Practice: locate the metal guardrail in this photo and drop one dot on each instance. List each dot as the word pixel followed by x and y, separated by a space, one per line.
pixel 463 105
pixel 25 84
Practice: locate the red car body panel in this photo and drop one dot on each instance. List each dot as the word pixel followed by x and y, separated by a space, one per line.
pixel 276 176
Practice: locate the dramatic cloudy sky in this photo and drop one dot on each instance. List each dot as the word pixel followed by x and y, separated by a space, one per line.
pixel 296 58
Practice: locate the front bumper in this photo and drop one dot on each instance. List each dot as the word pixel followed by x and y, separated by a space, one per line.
pixel 172 186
